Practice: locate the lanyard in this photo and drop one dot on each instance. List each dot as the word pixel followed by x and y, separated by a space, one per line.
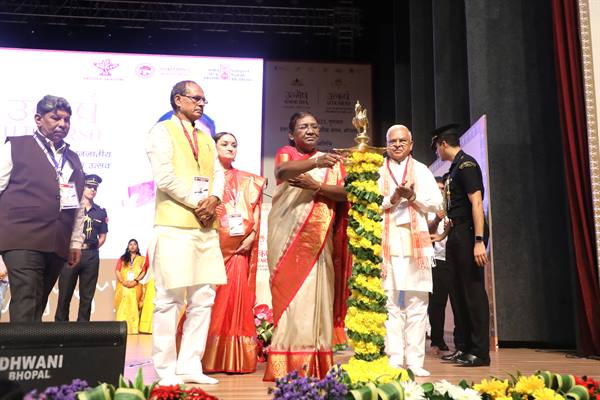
pixel 194 145
pixel 233 194
pixel 403 174
pixel 51 157
pixel 449 181
pixel 87 223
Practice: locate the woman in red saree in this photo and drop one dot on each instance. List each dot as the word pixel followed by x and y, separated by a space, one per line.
pixel 232 345
pixel 301 254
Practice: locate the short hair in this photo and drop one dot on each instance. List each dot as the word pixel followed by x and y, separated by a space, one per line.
pixel 179 89
pixel 397 127
pixel 221 134
pixel 439 179
pixel 50 103
pixel 296 116
pixel 452 140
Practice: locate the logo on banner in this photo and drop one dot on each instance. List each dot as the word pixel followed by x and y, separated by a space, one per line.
pixel 338 98
pixel 224 71
pixel 174 71
pixel 144 70
pixel 296 98
pixel 105 66
pixel 338 83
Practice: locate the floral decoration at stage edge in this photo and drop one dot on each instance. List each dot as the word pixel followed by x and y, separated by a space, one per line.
pixel 263 319
pixel 366 316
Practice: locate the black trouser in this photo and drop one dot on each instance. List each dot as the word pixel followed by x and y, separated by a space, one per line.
pixel 472 307
pixel 87 272
pixel 443 287
pixel 32 275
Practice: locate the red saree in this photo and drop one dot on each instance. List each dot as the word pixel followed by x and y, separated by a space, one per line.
pixel 231 343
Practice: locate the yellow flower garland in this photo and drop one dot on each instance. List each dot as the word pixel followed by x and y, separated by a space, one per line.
pixel 356 295
pixel 365 322
pixel 373 284
pixel 378 371
pixel 366 328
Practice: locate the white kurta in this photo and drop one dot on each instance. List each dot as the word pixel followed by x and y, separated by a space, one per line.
pixel 406 285
pixel 185 262
pixel 439 248
pixel 188 256
pixel 404 274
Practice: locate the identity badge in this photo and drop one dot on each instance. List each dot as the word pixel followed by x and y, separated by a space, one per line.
pixel 68 196
pixel 236 224
pixel 200 186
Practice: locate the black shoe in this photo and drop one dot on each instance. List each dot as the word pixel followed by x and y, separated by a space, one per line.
pixel 454 356
pixel 469 360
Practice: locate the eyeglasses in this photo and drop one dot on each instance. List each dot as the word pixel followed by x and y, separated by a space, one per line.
pixel 304 127
pixel 196 99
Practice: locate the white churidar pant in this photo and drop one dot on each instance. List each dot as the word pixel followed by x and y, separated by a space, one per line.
pixel 167 307
pixel 407 322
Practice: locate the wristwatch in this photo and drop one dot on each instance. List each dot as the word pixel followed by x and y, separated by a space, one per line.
pixel 478 238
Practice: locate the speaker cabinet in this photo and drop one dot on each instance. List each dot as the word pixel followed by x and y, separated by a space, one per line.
pixel 38 355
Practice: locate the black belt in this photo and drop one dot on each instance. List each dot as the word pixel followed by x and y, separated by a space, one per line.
pixel 461 220
pixel 87 246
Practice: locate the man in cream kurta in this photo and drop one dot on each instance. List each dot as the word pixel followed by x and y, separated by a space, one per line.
pixel 410 192
pixel 185 255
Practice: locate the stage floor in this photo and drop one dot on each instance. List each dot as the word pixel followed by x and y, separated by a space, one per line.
pixel 251 386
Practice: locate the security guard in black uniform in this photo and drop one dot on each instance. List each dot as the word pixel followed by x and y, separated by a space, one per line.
pixel 95 228
pixel 466 247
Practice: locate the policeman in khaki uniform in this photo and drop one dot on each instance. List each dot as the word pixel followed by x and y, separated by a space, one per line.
pixel 95 228
pixel 466 247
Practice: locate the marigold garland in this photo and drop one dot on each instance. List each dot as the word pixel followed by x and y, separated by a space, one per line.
pixel 366 316
pixel 378 371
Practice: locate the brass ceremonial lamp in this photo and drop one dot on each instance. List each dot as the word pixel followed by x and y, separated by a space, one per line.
pixel 361 123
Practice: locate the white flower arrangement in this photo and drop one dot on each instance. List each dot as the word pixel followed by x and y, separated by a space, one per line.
pixel 413 391
pixel 455 392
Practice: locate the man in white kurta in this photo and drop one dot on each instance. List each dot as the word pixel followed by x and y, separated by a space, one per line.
pixel 410 192
pixel 185 255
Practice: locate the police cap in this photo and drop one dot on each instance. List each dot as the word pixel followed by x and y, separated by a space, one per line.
pixel 442 132
pixel 92 180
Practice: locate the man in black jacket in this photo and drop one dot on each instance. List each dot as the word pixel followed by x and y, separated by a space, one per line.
pixel 466 248
pixel 41 219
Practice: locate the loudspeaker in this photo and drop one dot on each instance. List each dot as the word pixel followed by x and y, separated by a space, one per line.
pixel 38 355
